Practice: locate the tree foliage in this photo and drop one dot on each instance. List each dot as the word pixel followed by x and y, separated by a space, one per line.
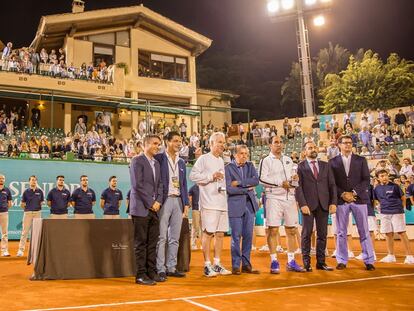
pixel 369 83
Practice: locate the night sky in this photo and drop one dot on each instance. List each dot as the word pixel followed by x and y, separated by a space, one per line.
pixel 242 26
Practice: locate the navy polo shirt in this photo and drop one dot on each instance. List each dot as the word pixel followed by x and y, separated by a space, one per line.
pixel 194 192
pixel 5 197
pixel 410 190
pixel 370 206
pixel 389 197
pixel 33 199
pixel 111 198
pixel 59 201
pixel 128 197
pixel 83 200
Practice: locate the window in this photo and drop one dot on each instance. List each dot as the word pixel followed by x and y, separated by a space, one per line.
pixel 122 38
pixel 154 65
pixel 105 38
pixel 103 53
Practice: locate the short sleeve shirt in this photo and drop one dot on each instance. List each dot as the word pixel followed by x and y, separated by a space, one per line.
pixel 389 197
pixel 5 197
pixel 194 192
pixel 59 201
pixel 33 199
pixel 83 200
pixel 111 198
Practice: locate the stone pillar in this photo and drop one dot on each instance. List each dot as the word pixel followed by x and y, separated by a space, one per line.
pixel 67 123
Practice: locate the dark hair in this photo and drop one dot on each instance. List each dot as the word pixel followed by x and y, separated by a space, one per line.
pixel 60 176
pixel 308 142
pixel 379 172
pixel 33 176
pixel 240 147
pixel 171 135
pixel 82 177
pixel 150 137
pixel 112 177
pixel 342 137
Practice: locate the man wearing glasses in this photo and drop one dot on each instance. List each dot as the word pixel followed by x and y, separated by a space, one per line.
pixel 352 180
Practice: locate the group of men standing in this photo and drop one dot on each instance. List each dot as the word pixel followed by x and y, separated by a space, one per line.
pixel 227 199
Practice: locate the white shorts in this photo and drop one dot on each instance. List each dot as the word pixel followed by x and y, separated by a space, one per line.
pixel 392 223
pixel 281 210
pixel 349 228
pixel 372 223
pixel 214 221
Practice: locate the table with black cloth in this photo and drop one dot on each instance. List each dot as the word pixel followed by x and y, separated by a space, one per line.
pixel 82 248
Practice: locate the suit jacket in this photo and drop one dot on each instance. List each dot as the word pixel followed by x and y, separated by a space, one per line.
pixel 316 192
pixel 145 189
pixel 165 178
pixel 238 197
pixel 358 179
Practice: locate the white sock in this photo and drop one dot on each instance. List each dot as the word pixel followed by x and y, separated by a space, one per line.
pixel 216 261
pixel 207 263
pixel 273 257
pixel 291 256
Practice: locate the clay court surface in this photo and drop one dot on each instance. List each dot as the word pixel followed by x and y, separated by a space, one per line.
pixel 390 287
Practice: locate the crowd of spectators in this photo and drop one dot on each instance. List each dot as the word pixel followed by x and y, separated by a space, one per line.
pixel 29 61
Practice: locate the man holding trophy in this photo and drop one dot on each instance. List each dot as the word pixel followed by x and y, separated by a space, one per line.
pixel 278 175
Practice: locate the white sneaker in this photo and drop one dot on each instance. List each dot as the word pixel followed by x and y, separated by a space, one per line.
pixel 253 248
pixel 359 257
pixel 5 254
pixel 409 260
pixel 388 259
pixel 219 269
pixel 209 271
pixel 298 251
pixel 351 254
pixel 334 254
pixel 279 249
pixel 264 248
pixel 20 253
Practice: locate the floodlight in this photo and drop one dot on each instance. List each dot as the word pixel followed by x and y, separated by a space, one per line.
pixel 310 2
pixel 319 20
pixel 273 6
pixel 288 4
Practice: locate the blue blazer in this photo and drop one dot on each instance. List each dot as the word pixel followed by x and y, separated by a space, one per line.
pixel 237 196
pixel 145 189
pixel 165 178
pixel 358 179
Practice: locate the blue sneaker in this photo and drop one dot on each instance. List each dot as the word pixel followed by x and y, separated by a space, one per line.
pixel 274 267
pixel 293 266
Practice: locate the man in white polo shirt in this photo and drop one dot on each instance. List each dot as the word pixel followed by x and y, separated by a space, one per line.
pixel 208 173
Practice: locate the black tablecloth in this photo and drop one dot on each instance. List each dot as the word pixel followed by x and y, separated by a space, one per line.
pixel 82 248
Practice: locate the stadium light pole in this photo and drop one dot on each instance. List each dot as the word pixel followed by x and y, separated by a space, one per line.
pixel 298 10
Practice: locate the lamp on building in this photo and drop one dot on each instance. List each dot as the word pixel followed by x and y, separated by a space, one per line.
pixel 282 10
pixel 78 6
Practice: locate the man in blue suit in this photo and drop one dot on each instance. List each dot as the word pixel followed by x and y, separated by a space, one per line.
pixel 175 206
pixel 145 202
pixel 241 179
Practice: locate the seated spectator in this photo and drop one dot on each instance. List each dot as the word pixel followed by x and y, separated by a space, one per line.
pixel 295 157
pixel 394 160
pixel 407 168
pixel 333 150
pixel 34 148
pixel 44 57
pixel 378 153
pixel 297 126
pixel 13 149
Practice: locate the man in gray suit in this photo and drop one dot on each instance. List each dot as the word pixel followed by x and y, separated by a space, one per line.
pixel 145 202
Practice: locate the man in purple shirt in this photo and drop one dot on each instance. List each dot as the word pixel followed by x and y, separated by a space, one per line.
pixel 5 204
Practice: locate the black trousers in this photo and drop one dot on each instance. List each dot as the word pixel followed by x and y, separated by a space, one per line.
pixel 321 217
pixel 146 234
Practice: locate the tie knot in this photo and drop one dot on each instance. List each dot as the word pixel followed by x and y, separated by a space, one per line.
pixel 313 162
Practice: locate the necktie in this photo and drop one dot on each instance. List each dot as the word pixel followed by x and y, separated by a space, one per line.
pixel 314 169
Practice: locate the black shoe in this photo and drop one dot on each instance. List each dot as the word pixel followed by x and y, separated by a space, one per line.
pixel 369 267
pixel 145 280
pixel 176 274
pixel 160 277
pixel 308 268
pixel 340 266
pixel 249 269
pixel 235 271
pixel 324 266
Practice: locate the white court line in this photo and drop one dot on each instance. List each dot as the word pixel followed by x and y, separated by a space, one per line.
pixel 200 305
pixel 226 294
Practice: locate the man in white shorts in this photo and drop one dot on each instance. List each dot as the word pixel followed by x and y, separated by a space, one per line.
pixel 208 173
pixel 276 173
